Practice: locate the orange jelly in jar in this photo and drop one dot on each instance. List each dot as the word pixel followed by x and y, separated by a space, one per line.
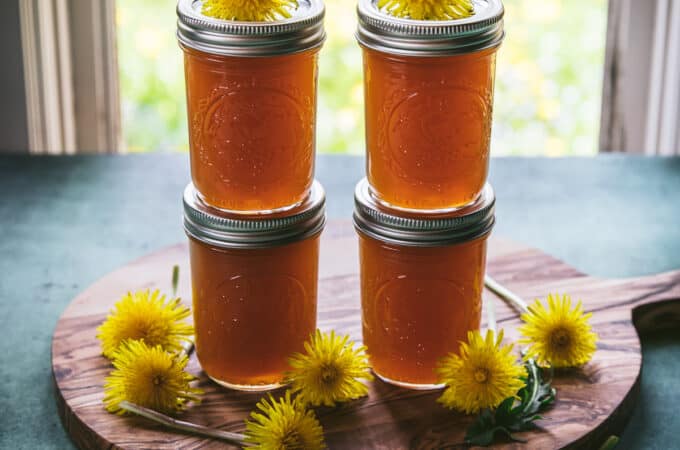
pixel 254 283
pixel 251 98
pixel 421 284
pixel 428 89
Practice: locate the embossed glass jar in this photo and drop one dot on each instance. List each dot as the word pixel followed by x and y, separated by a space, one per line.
pixel 429 98
pixel 251 98
pixel 254 283
pixel 421 284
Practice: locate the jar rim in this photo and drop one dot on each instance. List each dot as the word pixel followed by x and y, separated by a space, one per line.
pixel 228 230
pixel 380 31
pixel 303 31
pixel 389 225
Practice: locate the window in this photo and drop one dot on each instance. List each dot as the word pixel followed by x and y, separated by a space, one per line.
pixel 549 78
pixel 151 76
pixel 74 55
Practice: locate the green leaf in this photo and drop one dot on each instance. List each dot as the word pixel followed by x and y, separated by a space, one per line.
pixel 485 437
pixel 504 412
pixel 514 414
pixel 610 443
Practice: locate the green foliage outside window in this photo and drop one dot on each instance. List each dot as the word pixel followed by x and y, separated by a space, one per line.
pixel 548 84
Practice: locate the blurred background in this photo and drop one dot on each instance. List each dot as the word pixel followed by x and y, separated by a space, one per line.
pixel 548 87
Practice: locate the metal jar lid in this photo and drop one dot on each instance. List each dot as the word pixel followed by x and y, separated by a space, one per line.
pixel 303 31
pixel 215 227
pixel 416 230
pixel 401 36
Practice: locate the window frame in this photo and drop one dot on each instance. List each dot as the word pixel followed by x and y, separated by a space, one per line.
pixel 641 96
pixel 71 76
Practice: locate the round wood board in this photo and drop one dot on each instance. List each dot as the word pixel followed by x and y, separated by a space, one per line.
pixel 592 403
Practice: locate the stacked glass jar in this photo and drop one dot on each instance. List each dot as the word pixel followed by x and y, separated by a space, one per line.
pixel 425 211
pixel 253 213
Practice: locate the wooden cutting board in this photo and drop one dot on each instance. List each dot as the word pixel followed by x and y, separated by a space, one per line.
pixel 592 403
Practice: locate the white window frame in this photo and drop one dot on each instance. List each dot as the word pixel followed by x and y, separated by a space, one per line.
pixel 71 76
pixel 641 98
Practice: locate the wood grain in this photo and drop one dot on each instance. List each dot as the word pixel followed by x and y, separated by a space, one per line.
pixel 592 404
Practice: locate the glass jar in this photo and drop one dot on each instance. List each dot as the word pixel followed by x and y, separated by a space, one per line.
pixel 421 284
pixel 428 88
pixel 251 97
pixel 254 286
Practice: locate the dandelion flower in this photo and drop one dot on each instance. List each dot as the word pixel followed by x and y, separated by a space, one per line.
pixel 283 424
pixel 249 10
pixel 482 376
pixel 149 377
pixel 559 336
pixel 145 316
pixel 329 371
pixel 428 9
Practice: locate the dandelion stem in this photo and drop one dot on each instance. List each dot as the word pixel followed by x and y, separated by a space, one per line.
pixel 533 375
pixel 175 280
pixel 187 348
pixel 491 315
pixel 200 430
pixel 506 294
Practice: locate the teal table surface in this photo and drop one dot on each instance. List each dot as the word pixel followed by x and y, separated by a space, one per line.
pixel 65 222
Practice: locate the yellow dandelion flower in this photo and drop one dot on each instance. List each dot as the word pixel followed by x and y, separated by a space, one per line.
pixel 482 376
pixel 559 336
pixel 329 371
pixel 428 9
pixel 146 316
pixel 249 10
pixel 149 377
pixel 283 424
